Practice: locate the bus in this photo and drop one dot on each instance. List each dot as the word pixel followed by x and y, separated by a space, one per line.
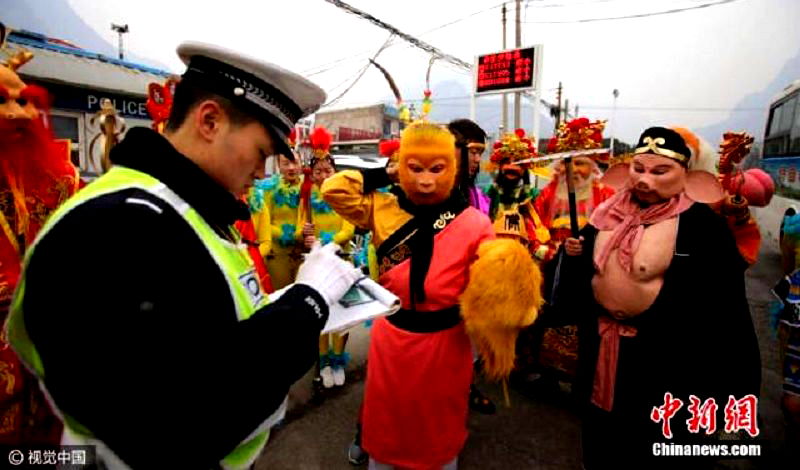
pixel 781 154
pixel 780 157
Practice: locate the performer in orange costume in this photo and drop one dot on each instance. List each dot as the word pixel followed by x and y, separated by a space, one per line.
pixel 36 176
pixel 435 253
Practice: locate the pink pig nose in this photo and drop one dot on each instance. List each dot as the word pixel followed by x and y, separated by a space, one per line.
pixel 642 185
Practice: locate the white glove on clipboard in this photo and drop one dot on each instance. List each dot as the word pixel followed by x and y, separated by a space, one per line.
pixel 365 300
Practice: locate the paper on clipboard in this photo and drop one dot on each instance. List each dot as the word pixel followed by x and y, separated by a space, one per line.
pixel 364 301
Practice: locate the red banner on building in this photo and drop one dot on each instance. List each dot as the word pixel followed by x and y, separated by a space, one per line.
pixel 348 133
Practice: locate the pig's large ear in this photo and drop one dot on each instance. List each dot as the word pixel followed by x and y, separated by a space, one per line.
pixel 616 176
pixel 703 187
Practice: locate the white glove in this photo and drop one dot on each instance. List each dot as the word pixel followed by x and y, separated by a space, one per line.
pixel 326 273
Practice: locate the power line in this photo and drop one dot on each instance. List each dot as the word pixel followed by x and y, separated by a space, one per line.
pixel 333 64
pixel 361 74
pixel 461 65
pixel 562 5
pixel 411 39
pixel 325 66
pixel 601 107
pixel 461 19
pixel 638 15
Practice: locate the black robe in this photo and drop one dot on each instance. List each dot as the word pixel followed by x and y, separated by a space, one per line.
pixel 140 340
pixel 697 338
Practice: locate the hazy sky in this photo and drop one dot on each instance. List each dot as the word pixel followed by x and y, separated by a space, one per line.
pixel 688 68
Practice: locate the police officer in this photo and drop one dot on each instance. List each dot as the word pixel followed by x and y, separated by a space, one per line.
pixel 159 347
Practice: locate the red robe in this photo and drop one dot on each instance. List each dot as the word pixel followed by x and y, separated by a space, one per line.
pixel 554 212
pixel 36 178
pixel 415 401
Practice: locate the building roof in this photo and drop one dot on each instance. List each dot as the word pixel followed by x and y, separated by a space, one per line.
pixel 59 61
pixel 351 109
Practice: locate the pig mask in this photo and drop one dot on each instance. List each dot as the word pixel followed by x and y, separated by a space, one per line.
pixel 658 171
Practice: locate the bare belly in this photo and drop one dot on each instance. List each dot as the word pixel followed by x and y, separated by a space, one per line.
pixel 628 293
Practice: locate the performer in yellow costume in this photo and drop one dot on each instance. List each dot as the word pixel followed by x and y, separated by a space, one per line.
pixel 274 203
pixel 319 222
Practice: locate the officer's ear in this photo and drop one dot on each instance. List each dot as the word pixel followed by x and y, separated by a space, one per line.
pixel 208 119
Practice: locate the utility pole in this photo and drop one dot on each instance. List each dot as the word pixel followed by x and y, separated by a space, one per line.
pixel 517 96
pixel 576 110
pixel 120 29
pixel 566 110
pixel 505 95
pixel 558 107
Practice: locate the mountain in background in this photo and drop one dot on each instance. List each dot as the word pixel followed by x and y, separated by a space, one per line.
pixel 57 19
pixel 754 122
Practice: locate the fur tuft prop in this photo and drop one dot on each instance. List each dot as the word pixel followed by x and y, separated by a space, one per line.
pixel 503 296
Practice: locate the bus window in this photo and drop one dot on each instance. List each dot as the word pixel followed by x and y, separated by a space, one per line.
pixel 782 117
pixel 774 120
pixel 775 147
pixel 794 134
pixel 787 116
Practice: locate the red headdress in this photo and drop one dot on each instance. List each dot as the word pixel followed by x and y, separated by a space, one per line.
pixel 292 138
pixel 579 134
pixel 511 148
pixel 390 149
pixel 320 141
pixel 159 102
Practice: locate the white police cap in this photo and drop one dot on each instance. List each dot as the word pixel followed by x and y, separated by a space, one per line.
pixel 275 95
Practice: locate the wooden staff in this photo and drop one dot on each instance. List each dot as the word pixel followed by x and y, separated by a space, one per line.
pixel 573 206
pixel 305 201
